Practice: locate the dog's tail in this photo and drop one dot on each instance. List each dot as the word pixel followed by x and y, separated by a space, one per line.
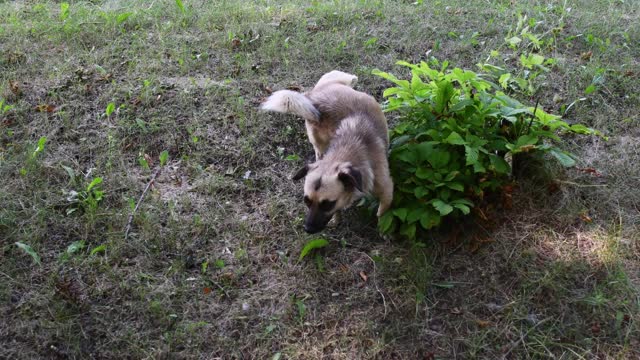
pixel 287 101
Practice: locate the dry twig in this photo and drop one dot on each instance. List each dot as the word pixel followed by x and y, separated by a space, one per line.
pixel 130 221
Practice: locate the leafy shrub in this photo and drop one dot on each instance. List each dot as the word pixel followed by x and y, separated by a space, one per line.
pixel 457 139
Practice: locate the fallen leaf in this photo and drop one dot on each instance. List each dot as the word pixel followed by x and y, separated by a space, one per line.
pixel 363 275
pixel 483 323
pixel 590 170
pixel 586 56
pixel 586 218
pixel 149 160
pixel 595 328
pixel 527 148
pixel 456 311
pixel 235 43
pixel 15 88
pixel 46 108
pixel 206 290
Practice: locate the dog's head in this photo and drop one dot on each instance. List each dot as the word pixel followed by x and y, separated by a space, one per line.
pixel 328 187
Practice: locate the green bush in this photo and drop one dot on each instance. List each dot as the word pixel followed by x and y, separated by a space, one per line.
pixel 457 139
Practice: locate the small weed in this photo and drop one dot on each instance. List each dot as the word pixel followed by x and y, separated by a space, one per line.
pixel 4 108
pixel 111 107
pixel 29 250
pixel 32 162
pixel 312 245
pixel 72 249
pixel 86 199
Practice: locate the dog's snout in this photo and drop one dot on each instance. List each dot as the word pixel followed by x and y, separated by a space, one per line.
pixel 311 229
pixel 316 221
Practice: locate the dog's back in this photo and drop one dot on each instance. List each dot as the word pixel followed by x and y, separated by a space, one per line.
pixel 337 102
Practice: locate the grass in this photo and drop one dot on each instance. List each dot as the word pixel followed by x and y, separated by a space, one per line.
pixel 555 277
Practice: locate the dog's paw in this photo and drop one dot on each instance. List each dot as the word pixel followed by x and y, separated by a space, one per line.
pixel 382 210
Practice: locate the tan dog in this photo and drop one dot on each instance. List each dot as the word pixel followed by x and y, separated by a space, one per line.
pixel 349 134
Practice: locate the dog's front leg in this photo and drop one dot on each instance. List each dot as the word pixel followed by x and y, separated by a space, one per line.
pixel 383 189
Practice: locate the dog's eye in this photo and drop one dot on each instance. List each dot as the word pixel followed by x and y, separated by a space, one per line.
pixel 326 205
pixel 307 201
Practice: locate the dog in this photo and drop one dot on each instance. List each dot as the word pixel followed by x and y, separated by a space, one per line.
pixel 350 138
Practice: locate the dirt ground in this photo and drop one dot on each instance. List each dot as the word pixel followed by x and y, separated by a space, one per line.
pixel 210 268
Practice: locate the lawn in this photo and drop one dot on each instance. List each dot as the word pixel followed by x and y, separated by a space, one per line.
pixel 101 99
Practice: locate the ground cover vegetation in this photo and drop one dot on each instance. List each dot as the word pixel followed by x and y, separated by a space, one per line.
pixel 110 109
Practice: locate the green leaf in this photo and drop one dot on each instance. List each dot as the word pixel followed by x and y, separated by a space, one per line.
pixel 499 164
pixel 400 213
pixel 563 157
pixel 29 250
pixel 450 176
pixel 424 173
pixel 385 221
pixel 462 201
pixel 414 215
pixel 111 107
pixel 292 157
pixel 311 245
pixel 456 186
pixel 408 230
pixel 525 140
pixel 164 156
pixel 464 208
pixel 504 80
pixel 143 163
pixel 402 83
pixel 180 6
pixel 75 246
pixel 530 61
pixel 455 139
pixel 442 207
pixel 461 105
pixel 438 158
pixel 64 10
pixel 95 182
pixel 40 147
pixel 513 41
pixel 219 264
pixel 70 172
pixel 406 155
pixel 590 89
pixel 443 94
pixel 429 219
pixel 97 249
pixel 471 155
pixel 123 17
pixel 420 192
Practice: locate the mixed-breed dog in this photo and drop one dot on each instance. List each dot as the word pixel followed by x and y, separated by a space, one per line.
pixel 349 134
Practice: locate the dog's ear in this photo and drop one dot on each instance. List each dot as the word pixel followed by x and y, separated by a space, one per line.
pixel 301 173
pixel 351 178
